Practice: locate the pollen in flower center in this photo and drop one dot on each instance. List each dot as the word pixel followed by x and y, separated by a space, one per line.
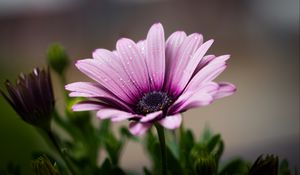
pixel 153 101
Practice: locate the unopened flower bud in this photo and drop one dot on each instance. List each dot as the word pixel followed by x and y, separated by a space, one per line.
pixel 202 161
pixel 265 165
pixel 43 166
pixel 57 58
pixel 32 97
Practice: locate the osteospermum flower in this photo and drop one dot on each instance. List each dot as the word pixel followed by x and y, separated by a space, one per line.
pixel 32 97
pixel 151 81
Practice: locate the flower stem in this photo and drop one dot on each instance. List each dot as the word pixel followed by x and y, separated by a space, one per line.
pixel 162 143
pixel 53 139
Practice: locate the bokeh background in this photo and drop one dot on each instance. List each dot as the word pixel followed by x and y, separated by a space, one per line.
pixel 261 35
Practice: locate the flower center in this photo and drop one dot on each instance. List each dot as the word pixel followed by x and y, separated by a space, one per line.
pixel 153 101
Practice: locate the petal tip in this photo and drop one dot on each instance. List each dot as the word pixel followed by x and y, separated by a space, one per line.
pixel 157 27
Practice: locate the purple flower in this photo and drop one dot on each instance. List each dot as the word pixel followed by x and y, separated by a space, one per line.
pixel 32 97
pixel 151 81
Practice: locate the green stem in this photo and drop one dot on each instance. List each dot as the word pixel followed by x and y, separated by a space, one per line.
pixel 162 143
pixel 67 126
pixel 53 139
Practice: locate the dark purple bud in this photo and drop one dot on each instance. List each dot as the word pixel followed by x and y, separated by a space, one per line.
pixel 32 97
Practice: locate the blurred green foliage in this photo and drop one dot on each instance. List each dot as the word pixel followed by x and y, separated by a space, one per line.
pixel 189 156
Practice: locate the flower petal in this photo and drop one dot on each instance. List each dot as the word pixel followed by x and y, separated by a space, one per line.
pixel 151 116
pixel 108 77
pixel 88 106
pixel 88 89
pixel 225 89
pixel 204 61
pixel 208 73
pixel 184 54
pixel 173 44
pixel 134 63
pixel 172 121
pixel 196 100
pixel 114 60
pixel 114 114
pixel 192 64
pixel 199 97
pixel 137 128
pixel 155 56
pixel 141 46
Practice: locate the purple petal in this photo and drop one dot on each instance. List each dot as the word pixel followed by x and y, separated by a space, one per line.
pixel 151 116
pixel 114 61
pixel 155 56
pixel 208 73
pixel 134 63
pixel 88 89
pixel 225 89
pixel 137 128
pixel 141 46
pixel 181 59
pixel 192 64
pixel 204 61
pixel 109 78
pixel 196 100
pixel 88 106
pixel 199 97
pixel 173 44
pixel 114 114
pixel 172 121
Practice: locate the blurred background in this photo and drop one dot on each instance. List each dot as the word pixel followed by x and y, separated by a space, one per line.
pixel 262 37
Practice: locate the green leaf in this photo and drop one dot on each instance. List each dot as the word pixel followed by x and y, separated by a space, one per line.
pixel 106 167
pixel 152 147
pixel 173 164
pixel 215 146
pixel 213 142
pixel 67 126
pixel 219 151
pixel 126 134
pixel 206 135
pixel 284 168
pixel 104 129
pixel 13 169
pixel 146 171
pixel 118 171
pixel 113 148
pixel 186 143
pixel 235 167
